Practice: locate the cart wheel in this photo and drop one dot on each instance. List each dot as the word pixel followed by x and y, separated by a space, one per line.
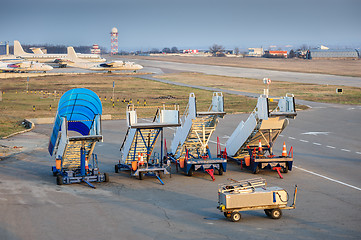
pixel 160 174
pixel 55 174
pixel 106 177
pixel 227 214
pixel 116 168
pixel 268 212
pixel 141 175
pixel 59 179
pixel 235 216
pixel 256 170
pixel 190 172
pixel 276 213
pixel 220 169
pixel 285 169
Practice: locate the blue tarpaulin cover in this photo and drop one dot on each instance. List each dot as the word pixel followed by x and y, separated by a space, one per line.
pixel 79 106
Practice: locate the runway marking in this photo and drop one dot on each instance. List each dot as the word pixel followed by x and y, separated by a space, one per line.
pixel 281 135
pixel 345 150
pixel 331 147
pixel 330 179
pixel 358 152
pixel 291 138
pixel 318 144
pixel 315 133
pixel 303 140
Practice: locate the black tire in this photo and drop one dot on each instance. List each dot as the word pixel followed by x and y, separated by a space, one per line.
pixel 116 168
pixel 220 170
pixel 59 179
pixel 141 175
pixel 55 174
pixel 235 216
pixel 106 177
pixel 276 213
pixel 285 169
pixel 268 212
pixel 227 215
pixel 256 170
pixel 190 172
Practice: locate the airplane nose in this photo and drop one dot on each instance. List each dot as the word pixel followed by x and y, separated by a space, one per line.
pixel 139 66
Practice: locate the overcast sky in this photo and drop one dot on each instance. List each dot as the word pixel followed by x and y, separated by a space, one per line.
pixel 147 24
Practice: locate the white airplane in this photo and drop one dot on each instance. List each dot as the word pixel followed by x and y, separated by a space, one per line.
pixel 74 61
pixel 37 50
pixel 39 56
pixel 26 66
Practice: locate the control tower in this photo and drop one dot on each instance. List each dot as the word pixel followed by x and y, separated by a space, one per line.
pixel 114 41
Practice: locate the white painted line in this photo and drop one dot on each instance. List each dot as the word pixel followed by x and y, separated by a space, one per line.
pixel 358 152
pixel 281 135
pixel 330 146
pixel 345 150
pixel 303 140
pixel 318 144
pixel 330 179
pixel 291 138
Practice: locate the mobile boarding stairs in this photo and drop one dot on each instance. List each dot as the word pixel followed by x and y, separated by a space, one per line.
pixel 76 130
pixel 252 139
pixel 140 141
pixel 189 148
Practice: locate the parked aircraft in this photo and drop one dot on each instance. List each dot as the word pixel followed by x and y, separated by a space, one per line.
pixel 26 66
pixel 50 58
pixel 74 61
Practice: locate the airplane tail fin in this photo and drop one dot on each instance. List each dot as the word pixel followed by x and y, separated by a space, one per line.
pixel 71 54
pixel 18 49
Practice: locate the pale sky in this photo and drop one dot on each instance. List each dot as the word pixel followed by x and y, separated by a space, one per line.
pixel 195 24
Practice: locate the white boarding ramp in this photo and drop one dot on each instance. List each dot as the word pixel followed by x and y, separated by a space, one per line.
pixel 197 127
pixel 262 124
pixel 141 137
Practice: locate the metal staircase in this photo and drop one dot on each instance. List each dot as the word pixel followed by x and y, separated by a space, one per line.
pixel 140 141
pixel 262 124
pixel 197 127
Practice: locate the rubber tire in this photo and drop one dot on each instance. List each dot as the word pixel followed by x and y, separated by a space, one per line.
pixel 106 177
pixel 227 215
pixel 55 174
pixel 116 168
pixel 59 179
pixel 190 172
pixel 268 212
pixel 285 169
pixel 276 213
pixel 256 170
pixel 141 175
pixel 220 170
pixel 235 216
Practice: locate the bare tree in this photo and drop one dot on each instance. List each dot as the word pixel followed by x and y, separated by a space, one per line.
pixel 217 50
pixel 236 51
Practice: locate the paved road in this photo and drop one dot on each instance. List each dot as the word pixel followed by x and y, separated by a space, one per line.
pixel 255 73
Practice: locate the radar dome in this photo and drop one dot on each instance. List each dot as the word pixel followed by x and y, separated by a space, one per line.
pixel 114 30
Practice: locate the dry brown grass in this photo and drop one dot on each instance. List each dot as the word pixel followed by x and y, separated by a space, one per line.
pixel 17 104
pixel 342 67
pixel 311 92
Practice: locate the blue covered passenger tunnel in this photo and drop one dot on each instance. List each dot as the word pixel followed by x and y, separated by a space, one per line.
pixel 79 112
